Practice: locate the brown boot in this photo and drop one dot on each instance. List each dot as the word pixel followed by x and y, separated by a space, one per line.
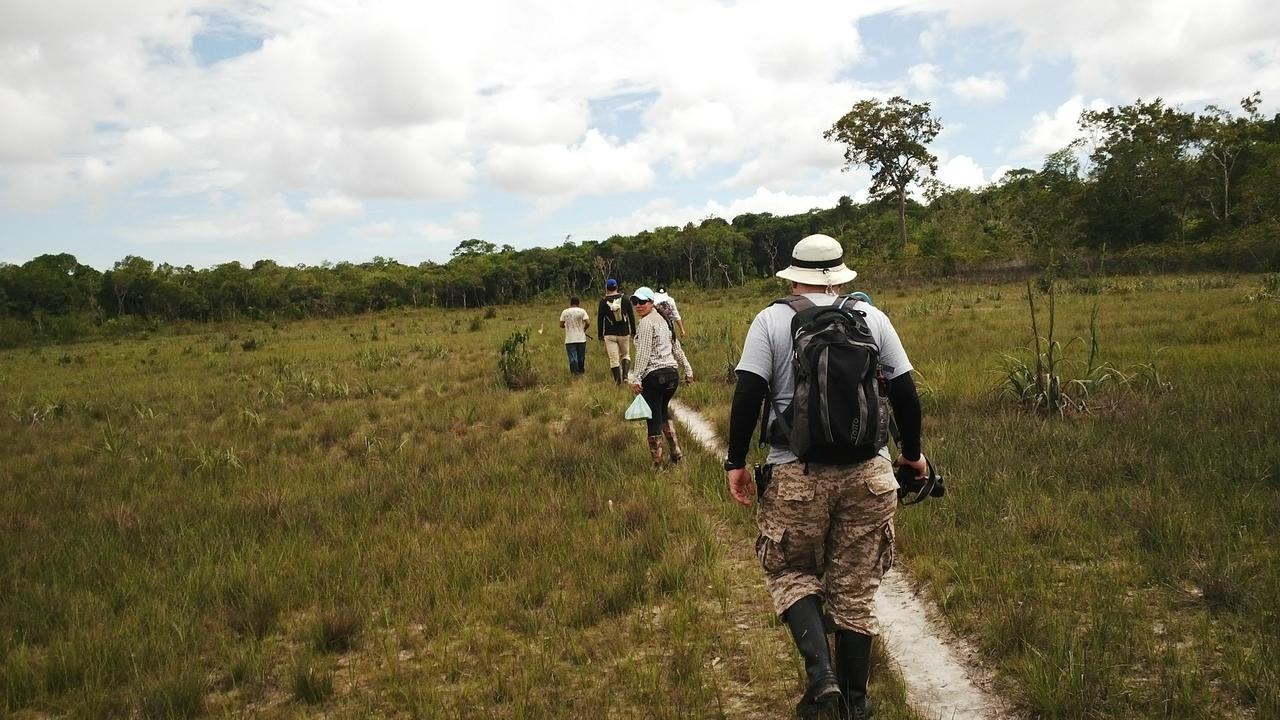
pixel 669 432
pixel 655 449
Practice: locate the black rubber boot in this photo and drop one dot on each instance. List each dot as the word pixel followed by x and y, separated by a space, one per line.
pixel 822 697
pixel 617 375
pixel 853 668
pixel 626 367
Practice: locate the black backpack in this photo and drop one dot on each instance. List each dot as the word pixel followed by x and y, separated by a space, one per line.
pixel 840 410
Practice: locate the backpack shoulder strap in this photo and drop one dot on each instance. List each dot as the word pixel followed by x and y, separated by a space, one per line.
pixel 795 302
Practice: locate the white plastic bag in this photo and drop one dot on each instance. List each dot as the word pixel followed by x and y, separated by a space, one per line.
pixel 638 410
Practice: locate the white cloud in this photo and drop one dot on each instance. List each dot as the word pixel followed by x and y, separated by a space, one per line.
pixel 521 116
pixel 459 227
pixel 989 86
pixel 1185 51
pixel 397 99
pixel 1052 132
pixel 33 128
pixel 554 172
pixel 923 77
pixel 961 171
pixel 379 229
pixel 331 208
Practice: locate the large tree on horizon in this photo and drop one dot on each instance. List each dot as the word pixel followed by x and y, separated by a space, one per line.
pixel 890 137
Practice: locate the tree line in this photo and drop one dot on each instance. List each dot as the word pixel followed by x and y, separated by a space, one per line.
pixel 1159 188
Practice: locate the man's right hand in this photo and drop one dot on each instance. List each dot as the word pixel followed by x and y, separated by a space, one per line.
pixel 741 486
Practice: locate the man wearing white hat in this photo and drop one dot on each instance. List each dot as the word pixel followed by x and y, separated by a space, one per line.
pixel 826 524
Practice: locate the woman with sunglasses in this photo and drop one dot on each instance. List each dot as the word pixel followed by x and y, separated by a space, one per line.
pixel 655 374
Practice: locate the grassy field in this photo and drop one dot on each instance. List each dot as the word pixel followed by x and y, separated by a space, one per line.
pixel 354 518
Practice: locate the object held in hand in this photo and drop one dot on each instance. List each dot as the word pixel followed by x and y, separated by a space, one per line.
pixel 638 410
pixel 912 489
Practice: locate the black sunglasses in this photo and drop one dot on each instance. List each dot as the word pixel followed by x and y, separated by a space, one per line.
pixel 639 301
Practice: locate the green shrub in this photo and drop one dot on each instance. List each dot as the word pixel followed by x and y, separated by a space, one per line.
pixel 514 367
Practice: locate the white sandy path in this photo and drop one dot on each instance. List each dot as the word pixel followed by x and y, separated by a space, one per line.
pixel 931 659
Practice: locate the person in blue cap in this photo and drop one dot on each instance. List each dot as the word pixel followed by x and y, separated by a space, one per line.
pixel 615 326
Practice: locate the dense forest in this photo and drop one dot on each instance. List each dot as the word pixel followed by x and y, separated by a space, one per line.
pixel 1160 189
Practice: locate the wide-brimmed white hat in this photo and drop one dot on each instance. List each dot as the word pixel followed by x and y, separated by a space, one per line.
pixel 818 260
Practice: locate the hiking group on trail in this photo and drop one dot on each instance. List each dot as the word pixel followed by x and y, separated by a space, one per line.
pixel 659 359
pixel 822 371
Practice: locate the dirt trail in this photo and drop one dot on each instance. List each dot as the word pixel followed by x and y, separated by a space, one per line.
pixel 937 668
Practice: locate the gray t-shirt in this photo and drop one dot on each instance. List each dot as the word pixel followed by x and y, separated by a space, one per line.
pixel 767 353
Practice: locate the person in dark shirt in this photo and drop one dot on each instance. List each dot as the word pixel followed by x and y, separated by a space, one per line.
pixel 616 325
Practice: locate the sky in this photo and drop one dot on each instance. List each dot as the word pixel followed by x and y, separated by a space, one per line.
pixel 303 131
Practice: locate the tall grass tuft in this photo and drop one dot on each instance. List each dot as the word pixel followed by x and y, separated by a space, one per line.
pixel 337 630
pixel 311 684
pixel 179 696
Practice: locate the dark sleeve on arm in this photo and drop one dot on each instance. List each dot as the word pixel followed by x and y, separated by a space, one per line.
pixel 748 396
pixel 631 315
pixel 906 411
pixel 600 310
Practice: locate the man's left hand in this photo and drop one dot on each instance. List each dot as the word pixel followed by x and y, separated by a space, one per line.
pixel 921 466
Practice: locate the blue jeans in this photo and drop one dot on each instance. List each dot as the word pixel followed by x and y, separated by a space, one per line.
pixel 577 357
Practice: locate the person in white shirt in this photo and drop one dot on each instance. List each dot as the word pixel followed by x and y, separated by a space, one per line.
pixel 575 322
pixel 659 297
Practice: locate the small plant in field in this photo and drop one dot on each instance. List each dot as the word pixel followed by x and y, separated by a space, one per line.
pixel 181 696
pixel 1044 385
pixel 336 631
pixel 436 352
pixel 212 461
pixel 1270 289
pixel 476 324
pixel 514 367
pixel 250 344
pixel 37 413
pixel 729 368
pixel 251 418
pixel 113 440
pixel 312 685
pixel 490 312
pixel 595 408
pixel 377 359
pixel 253 612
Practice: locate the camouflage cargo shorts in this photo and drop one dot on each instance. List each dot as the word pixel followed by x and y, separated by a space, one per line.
pixel 828 531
